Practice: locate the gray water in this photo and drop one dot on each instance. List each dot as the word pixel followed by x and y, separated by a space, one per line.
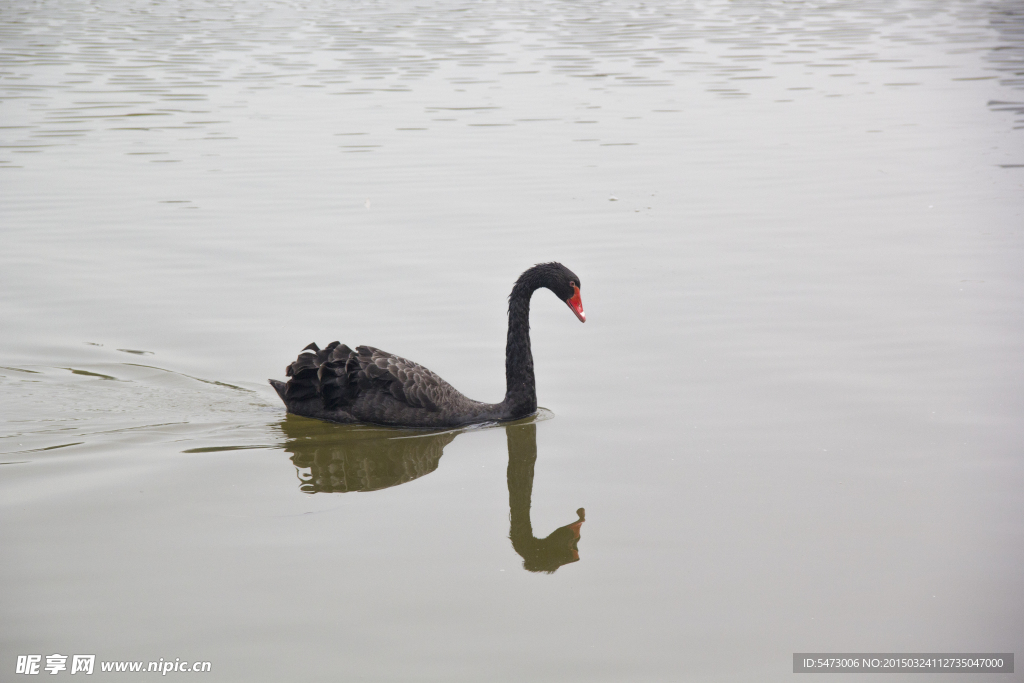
pixel 791 423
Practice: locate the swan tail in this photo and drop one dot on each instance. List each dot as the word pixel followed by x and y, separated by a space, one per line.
pixel 308 377
pixel 280 387
pixel 338 377
pixel 303 384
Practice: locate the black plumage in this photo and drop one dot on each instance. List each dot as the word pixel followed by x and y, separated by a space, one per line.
pixel 374 386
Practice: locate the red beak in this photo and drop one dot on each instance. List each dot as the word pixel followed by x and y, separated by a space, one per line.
pixel 576 304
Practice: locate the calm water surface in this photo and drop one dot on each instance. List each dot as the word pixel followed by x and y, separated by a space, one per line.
pixel 793 420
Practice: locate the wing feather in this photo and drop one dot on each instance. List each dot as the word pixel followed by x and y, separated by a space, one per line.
pixel 409 382
pixel 340 375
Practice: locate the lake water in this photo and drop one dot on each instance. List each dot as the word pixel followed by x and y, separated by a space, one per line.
pixel 792 422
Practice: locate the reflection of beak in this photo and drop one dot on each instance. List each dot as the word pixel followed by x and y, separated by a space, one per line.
pixel 576 304
pixel 576 533
pixel 575 526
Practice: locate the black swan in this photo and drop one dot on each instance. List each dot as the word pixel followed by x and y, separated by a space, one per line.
pixel 369 385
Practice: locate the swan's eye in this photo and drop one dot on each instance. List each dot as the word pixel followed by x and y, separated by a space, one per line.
pixel 572 283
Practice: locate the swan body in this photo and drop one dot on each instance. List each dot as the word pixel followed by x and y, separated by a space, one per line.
pixel 369 385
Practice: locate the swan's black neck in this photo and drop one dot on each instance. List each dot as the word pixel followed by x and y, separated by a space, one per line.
pixel 520 385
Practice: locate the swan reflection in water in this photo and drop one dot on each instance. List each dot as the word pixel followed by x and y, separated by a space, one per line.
pixel 333 458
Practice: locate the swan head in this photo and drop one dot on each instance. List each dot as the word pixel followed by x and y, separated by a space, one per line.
pixel 568 284
pixel 560 280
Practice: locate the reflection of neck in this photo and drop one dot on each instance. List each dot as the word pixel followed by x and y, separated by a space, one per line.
pixel 522 456
pixel 539 554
